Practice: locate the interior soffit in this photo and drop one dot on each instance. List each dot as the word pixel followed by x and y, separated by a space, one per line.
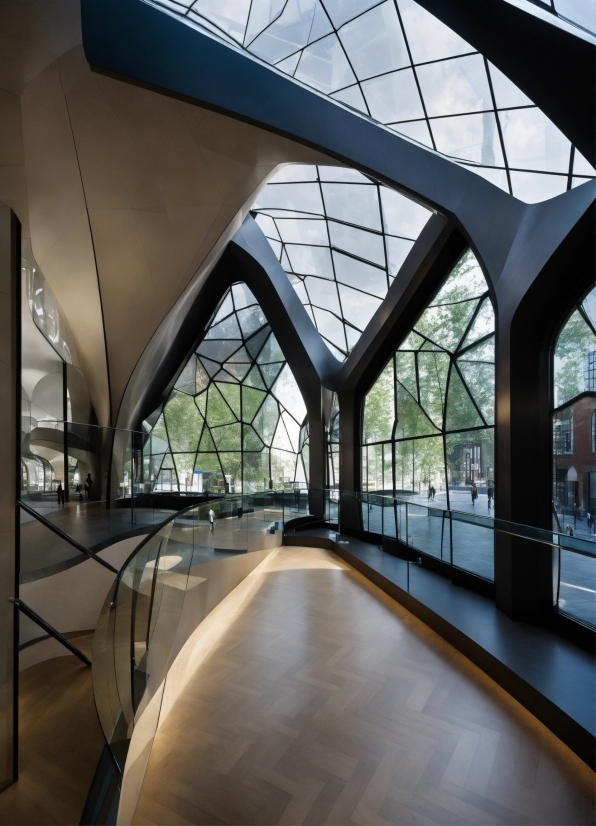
pixel 129 192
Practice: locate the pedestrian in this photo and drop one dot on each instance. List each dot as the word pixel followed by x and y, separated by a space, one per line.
pixel 588 520
pixel 430 492
pixel 490 492
pixel 211 520
pixel 433 491
pixel 88 485
pixel 474 494
pixel 79 490
pixel 60 492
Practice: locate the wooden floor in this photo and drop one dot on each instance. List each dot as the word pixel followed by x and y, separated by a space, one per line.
pixel 60 742
pixel 326 702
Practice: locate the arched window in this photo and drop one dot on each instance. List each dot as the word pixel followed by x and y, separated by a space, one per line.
pixel 429 417
pixel 574 418
pixel 235 420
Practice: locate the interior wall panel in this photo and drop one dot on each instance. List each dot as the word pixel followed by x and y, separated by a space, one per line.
pixel 13 184
pixel 60 233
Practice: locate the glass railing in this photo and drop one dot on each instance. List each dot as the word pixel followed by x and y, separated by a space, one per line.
pixel 461 539
pixel 146 618
pixel 94 515
pixel 138 634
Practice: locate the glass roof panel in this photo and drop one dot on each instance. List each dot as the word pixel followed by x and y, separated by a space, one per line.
pixel 470 137
pixel 352 97
pixel 342 259
pixel 394 97
pixel 354 203
pixel 324 66
pixel 455 87
pixel 429 39
pixel 374 42
pixel 532 141
pixel 582 12
pixel 398 64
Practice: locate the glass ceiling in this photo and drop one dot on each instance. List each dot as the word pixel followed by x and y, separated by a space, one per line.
pixel 399 65
pixel 341 238
pixel 581 13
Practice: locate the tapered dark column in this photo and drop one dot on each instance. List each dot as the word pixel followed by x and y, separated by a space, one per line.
pixel 526 334
pixel 10 441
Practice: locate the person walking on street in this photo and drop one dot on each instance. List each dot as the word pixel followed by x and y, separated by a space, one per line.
pixel 211 520
pixel 490 492
pixel 474 494
pixel 60 492
pixel 88 485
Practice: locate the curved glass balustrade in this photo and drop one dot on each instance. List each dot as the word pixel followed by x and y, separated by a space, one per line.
pixel 170 584
pixel 139 631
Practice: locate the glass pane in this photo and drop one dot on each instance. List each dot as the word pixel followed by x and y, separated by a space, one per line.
pixel 301 231
pixel 374 42
pixel 297 197
pixel 310 260
pixel 470 464
pixel 428 531
pixel 362 276
pixel 474 549
pixel 364 244
pixel 379 410
pixel 354 203
pixel 393 97
pixel 532 141
pixel 287 33
pixel 469 137
pixel 324 66
pixel 429 39
pixel 578 586
pixel 358 308
pixel 453 87
pixel 401 215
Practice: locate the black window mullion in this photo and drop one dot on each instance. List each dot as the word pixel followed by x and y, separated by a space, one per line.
pixel 499 129
pixel 403 30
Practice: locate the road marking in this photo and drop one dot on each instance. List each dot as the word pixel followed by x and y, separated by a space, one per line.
pixel 579 587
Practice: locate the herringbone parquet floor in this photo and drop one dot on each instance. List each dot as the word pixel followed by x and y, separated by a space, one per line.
pixel 326 702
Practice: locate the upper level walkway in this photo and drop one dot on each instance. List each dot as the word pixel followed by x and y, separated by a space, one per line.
pixel 324 701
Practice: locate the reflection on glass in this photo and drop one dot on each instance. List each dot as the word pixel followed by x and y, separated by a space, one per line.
pixel 235 420
pixel 574 425
pixel 399 65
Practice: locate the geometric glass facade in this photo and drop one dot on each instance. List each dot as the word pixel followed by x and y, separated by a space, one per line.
pixel 341 237
pixel 400 66
pixel 235 420
pixel 428 420
pixel 574 408
pixel 333 445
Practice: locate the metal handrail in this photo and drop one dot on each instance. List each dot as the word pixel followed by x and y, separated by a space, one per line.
pixel 33 615
pixel 544 536
pixel 154 531
pixel 67 538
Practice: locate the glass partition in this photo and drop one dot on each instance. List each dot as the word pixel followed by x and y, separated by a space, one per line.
pixel 462 540
pixel 134 644
pixel 98 499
